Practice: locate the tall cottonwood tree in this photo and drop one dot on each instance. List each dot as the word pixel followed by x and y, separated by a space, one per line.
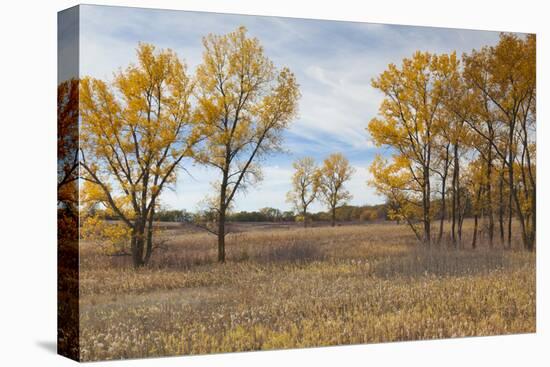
pixel 442 167
pixel 503 78
pixel 135 132
pixel 244 105
pixel 305 185
pixel 333 174
pixel 475 176
pixel 455 101
pixel 409 122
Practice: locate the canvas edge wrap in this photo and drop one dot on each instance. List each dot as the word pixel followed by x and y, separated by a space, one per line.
pixel 68 39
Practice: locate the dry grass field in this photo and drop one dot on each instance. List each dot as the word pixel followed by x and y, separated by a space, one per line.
pixel 289 287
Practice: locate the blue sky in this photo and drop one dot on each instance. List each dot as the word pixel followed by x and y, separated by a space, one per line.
pixel 333 62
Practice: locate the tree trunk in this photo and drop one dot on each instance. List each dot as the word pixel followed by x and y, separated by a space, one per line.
pixel 138 242
pixel 501 204
pixel 426 195
pixel 443 209
pixel 489 195
pixel 443 195
pixel 533 220
pixel 474 236
pixel 476 216
pixel 221 229
pixel 221 237
pixel 460 223
pixel 304 214
pixel 510 181
pixel 456 199
pixel 531 188
pixel 149 248
pixel 453 210
pixel 521 218
pixel 510 212
pixel 221 216
pixel 333 217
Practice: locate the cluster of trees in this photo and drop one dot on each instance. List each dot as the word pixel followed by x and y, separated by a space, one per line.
pixel 352 213
pixel 173 215
pixel 156 117
pixel 324 183
pixel 266 214
pixel 462 133
pixel 263 215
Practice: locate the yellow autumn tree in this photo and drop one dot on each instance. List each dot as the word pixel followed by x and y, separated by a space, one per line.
pixel 458 138
pixel 502 79
pixel 305 185
pixel 409 120
pixel 449 142
pixel 333 174
pixel 244 105
pixel 135 132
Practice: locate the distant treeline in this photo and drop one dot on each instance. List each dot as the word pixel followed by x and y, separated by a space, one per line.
pixel 346 213
pixel 343 214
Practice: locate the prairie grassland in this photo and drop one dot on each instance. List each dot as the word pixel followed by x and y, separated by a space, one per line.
pixel 288 288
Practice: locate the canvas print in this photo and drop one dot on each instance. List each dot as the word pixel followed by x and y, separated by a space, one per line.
pixel 234 183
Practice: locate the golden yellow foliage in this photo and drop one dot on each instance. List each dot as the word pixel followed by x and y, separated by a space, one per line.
pixel 135 132
pixel 244 105
pixel 333 174
pixel 305 186
pixel 112 238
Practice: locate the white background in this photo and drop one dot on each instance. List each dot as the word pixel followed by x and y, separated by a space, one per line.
pixel 28 182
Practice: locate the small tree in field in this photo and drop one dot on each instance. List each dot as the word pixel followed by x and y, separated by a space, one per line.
pixel 244 105
pixel 305 186
pixel 135 132
pixel 334 173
